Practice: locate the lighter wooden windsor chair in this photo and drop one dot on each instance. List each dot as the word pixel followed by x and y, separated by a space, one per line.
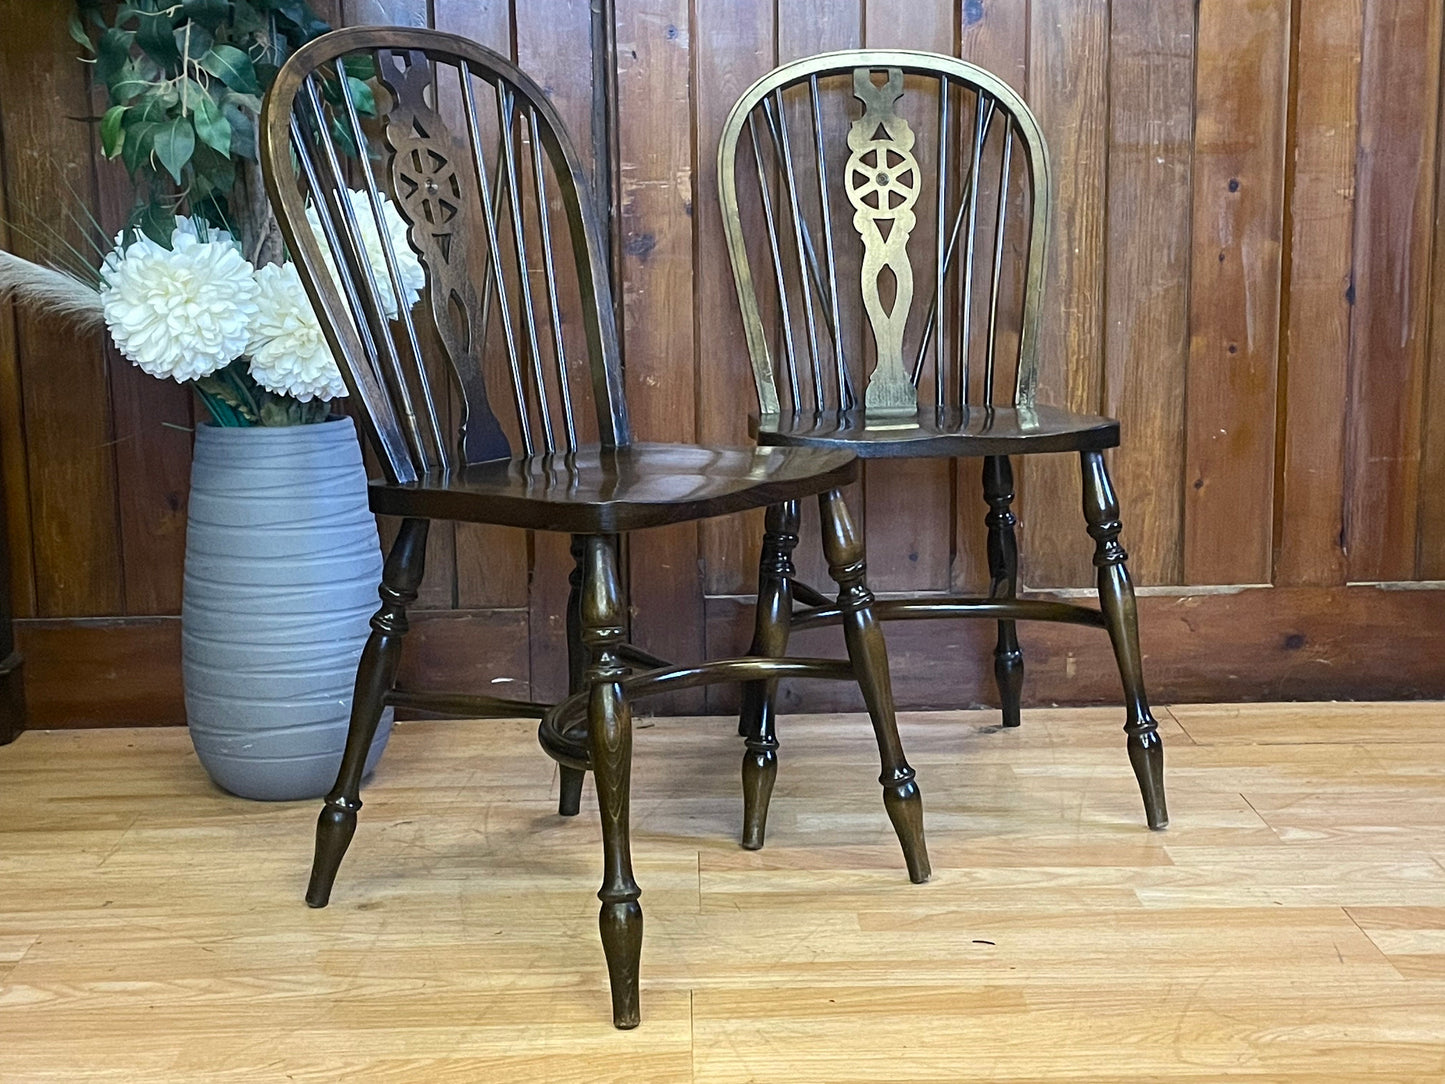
pixel 481 172
pixel 822 190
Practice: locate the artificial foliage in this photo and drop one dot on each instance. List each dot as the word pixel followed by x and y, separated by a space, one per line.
pixel 185 81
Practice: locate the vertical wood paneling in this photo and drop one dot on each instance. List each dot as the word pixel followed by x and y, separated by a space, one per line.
pixel 439 587
pixel 805 27
pixel 995 35
pixel 734 46
pixel 152 419
pixel 491 562
pixel 1431 528
pixel 1314 395
pixel 14 468
pixel 1146 318
pixel 75 515
pixel 910 523
pixel 554 45
pixel 1265 338
pixel 386 12
pixel 1240 95
pixel 1393 236
pixel 1068 90
pixel 655 196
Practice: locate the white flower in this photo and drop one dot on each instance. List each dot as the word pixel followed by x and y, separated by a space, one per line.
pixel 409 268
pixel 182 312
pixel 201 230
pixel 289 354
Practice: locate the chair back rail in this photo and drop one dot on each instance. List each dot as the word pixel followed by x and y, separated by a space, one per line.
pixel 789 198
pixel 442 226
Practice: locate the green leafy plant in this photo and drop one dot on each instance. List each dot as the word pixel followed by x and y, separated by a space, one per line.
pixel 185 80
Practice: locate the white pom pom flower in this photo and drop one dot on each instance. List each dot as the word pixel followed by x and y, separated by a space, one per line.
pixel 182 312
pixel 408 266
pixel 289 354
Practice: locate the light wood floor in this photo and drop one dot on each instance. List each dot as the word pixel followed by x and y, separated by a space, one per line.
pixel 1290 926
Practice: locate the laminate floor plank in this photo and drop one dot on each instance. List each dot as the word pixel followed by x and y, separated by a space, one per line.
pixel 1288 927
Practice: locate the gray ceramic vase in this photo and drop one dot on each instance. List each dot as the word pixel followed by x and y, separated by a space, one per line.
pixel 282 568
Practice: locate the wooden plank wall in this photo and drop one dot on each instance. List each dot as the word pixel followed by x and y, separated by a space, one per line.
pixel 1248 269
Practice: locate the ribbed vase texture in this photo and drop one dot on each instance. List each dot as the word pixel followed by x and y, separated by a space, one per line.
pixel 282 568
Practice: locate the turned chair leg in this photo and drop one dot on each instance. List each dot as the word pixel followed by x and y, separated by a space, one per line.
pixel 1116 599
pixel 375 676
pixel 901 797
pixel 1003 571
pixel 772 624
pixel 571 778
pixel 609 740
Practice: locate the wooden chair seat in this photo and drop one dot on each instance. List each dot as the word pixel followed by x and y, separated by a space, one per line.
pixel 599 490
pixel 940 432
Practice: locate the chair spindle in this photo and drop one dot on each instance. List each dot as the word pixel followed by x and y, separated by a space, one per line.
pixel 393 267
pixel 494 253
pixel 554 309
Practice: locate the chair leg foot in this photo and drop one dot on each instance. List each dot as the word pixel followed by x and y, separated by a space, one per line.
pixel 760 771
pixel 904 804
pixel 869 656
pixel 1146 755
pixel 1121 616
pixel 772 624
pixel 570 800
pixel 334 829
pixel 621 928
pixel 1008 672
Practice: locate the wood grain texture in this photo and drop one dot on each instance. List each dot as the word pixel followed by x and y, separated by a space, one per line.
pixel 1347 643
pixel 655 220
pixel 1431 527
pixel 387 12
pixel 1287 928
pixel 83 673
pixel 1069 92
pixel 14 468
pixel 152 420
pixel 1314 397
pixel 994 35
pixel 1340 429
pixel 12 692
pixel 68 426
pixel 554 45
pixel 491 562
pixel 1286 643
pixel 469 651
pixel 909 528
pixel 804 28
pixel 1240 92
pixel 1393 236
pixel 739 37
pixel 444 574
pixel 1146 308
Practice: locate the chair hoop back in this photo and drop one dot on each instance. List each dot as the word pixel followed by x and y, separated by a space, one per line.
pixel 442 281
pixel 833 141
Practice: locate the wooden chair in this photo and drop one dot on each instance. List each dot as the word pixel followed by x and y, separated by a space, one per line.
pixel 821 188
pixel 476 405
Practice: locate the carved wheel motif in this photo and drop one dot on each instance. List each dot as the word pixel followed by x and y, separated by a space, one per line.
pixel 882 181
pixel 427 187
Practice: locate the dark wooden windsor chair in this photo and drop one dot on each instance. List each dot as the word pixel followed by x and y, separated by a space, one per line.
pixel 515 303
pixel 836 189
